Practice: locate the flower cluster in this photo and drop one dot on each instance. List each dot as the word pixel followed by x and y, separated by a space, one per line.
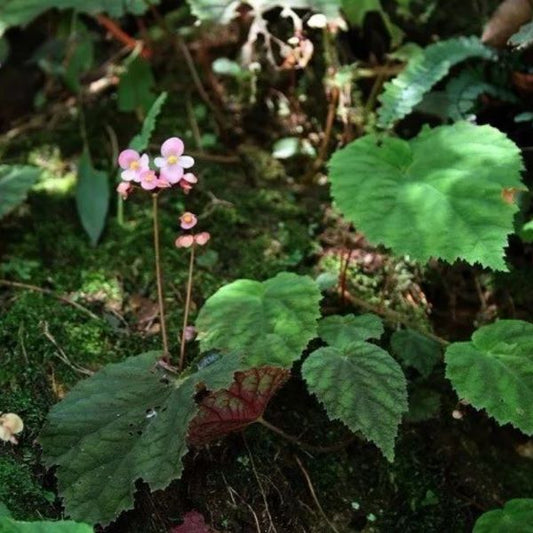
pixel 188 221
pixel 171 166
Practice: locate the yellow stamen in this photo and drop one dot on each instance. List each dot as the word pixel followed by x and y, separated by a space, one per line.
pixel 172 159
pixel 150 176
pixel 134 165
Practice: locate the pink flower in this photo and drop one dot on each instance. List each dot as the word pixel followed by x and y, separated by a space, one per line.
pixel 133 164
pixel 172 161
pixel 149 180
pixel 202 238
pixel 184 241
pixel 189 333
pixel 188 220
pixel 124 189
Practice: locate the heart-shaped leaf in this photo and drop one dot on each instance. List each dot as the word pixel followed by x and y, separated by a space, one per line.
pixel 269 322
pixel 127 422
pixel 224 411
pixel 494 371
pixel 442 194
pixel 361 385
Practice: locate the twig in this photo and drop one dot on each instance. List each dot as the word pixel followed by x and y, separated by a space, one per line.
pixel 162 321
pixel 313 494
pixel 261 488
pixel 62 355
pixel 330 119
pixel 17 285
pixel 308 447
pixel 392 316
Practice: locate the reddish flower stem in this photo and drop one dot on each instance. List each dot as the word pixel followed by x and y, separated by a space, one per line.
pixel 187 308
pixel 159 279
pixel 121 36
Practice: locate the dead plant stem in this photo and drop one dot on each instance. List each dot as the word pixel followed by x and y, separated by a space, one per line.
pixel 17 285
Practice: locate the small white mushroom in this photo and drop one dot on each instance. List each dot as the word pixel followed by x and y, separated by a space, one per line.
pixel 10 425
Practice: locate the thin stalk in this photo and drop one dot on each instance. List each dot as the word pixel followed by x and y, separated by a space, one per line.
pixel 159 279
pixel 308 447
pixel 187 308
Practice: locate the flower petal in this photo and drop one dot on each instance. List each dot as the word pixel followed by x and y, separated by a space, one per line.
pixel 202 238
pixel 186 161
pixel 190 177
pixel 149 185
pixel 172 146
pixel 184 241
pixel 130 175
pixel 172 174
pixel 126 157
pixel 144 161
pixel 160 162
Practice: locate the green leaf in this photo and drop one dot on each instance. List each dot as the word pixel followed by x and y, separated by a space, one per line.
pixel 361 385
pixel 356 12
pixel 416 350
pixel 270 322
pixel 127 422
pixel 135 86
pixel 523 37
pixel 15 182
pixel 141 140
pixel 8 525
pixel 494 371
pixel 437 195
pixel 92 197
pixel 404 92
pixel 21 12
pixel 339 331
pixel 515 517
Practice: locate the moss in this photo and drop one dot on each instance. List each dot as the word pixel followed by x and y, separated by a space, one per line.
pixel 21 492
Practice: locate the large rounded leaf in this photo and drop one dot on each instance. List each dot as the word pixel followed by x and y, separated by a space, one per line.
pixel 438 195
pixel 515 517
pixel 361 385
pixel 494 371
pixel 127 422
pixel 269 322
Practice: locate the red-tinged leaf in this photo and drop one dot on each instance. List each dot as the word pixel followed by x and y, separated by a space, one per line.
pixel 193 522
pixel 227 410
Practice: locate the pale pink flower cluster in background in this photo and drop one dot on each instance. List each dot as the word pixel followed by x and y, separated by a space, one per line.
pixel 171 167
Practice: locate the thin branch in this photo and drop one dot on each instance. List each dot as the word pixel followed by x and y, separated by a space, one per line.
pixel 391 316
pixel 308 447
pixel 313 494
pixel 64 299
